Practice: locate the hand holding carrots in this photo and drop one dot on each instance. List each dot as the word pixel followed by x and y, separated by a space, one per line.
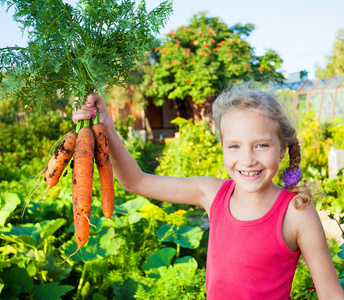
pixel 93 103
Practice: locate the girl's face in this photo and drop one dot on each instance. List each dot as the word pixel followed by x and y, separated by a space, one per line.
pixel 251 150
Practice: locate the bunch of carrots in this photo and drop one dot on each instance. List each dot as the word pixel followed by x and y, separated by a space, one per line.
pixel 87 144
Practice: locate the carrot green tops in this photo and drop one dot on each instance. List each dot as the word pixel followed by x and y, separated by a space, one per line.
pixel 248 259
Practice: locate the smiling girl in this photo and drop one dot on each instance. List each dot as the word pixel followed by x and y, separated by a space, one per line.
pixel 257 229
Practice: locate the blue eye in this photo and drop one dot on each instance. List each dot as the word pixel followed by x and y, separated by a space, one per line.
pixel 233 147
pixel 262 146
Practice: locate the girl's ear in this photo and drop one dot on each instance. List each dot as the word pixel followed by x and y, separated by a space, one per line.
pixel 283 150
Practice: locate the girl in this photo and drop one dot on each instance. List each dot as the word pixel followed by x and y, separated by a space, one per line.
pixel 257 229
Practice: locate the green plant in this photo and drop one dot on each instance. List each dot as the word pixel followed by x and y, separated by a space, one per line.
pixel 77 50
pixel 122 126
pixel 145 153
pixel 195 152
pixel 334 65
pixel 333 192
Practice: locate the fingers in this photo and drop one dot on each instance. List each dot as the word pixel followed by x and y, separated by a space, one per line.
pixel 87 110
pixel 97 101
pixel 93 103
pixel 84 113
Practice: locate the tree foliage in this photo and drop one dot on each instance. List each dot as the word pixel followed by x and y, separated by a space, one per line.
pixel 137 94
pixel 90 47
pixel 203 57
pixel 335 61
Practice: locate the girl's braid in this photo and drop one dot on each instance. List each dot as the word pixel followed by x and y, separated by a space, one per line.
pixel 294 155
pixel 303 192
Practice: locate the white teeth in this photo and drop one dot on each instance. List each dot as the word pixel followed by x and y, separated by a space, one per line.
pixel 249 173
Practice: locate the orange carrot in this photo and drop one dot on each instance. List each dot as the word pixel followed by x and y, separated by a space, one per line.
pixel 82 185
pixel 60 159
pixel 102 158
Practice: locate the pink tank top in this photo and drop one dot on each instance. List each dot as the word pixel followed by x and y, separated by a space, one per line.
pixel 248 259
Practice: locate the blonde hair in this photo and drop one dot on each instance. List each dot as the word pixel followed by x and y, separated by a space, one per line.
pixel 248 96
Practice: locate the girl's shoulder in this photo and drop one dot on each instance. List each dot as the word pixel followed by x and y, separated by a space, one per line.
pixel 306 214
pixel 300 222
pixel 210 186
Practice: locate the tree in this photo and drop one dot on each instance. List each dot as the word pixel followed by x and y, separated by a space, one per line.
pixel 195 62
pixel 335 61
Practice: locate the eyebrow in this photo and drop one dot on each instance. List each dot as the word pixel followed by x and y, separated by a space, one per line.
pixel 259 140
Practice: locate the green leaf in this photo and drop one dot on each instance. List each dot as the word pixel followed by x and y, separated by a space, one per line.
pixel 29 229
pixel 11 202
pixel 49 228
pixel 97 296
pixel 97 247
pixel 4 264
pixel 99 223
pixel 31 269
pixel 185 236
pixel 109 243
pixel 313 171
pixel 161 258
pixel 341 253
pixel 179 121
pixel 186 266
pixel 34 234
pixel 51 291
pixel 129 209
pixel 17 279
pixel 131 206
pixel 134 218
pixel 121 221
pixel 25 234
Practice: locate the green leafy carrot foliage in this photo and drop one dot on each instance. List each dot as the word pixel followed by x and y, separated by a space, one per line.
pixel 81 49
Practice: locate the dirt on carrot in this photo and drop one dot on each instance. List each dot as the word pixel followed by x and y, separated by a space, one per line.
pixel 104 167
pixel 60 159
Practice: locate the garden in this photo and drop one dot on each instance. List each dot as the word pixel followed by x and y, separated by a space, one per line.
pixel 147 249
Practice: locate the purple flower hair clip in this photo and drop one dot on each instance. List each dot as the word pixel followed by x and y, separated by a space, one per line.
pixel 291 177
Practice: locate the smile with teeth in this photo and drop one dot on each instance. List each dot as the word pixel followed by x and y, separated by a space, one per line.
pixel 250 174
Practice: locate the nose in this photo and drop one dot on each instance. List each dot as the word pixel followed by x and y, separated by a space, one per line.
pixel 249 158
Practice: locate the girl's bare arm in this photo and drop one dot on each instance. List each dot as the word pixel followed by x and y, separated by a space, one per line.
pixel 193 190
pixel 313 245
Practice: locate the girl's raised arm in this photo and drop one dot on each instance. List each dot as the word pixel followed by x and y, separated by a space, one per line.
pixel 193 190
